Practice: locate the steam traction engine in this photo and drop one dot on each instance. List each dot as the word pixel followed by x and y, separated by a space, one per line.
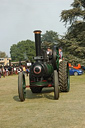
pixel 46 71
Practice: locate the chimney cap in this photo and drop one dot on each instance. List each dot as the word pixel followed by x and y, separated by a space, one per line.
pixel 37 31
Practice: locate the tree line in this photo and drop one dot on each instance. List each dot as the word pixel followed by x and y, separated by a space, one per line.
pixel 72 43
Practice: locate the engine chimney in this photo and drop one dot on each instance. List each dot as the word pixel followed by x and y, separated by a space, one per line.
pixel 38 42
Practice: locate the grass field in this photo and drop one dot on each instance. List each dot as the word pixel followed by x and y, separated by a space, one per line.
pixel 41 110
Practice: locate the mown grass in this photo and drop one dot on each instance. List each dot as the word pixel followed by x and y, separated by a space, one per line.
pixel 41 110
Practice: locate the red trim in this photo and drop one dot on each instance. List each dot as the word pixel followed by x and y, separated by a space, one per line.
pixel 27 86
pixel 49 85
pixel 44 80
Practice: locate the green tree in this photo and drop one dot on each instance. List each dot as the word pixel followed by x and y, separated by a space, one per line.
pixel 49 38
pixel 74 40
pixel 3 54
pixel 24 50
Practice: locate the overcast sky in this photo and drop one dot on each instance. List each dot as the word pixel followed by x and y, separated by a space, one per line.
pixel 19 18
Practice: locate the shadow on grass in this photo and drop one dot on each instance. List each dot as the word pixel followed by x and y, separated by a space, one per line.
pixel 16 98
pixel 46 93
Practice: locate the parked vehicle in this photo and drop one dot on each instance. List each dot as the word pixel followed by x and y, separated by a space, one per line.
pixel 77 67
pixel 75 72
pixel 83 68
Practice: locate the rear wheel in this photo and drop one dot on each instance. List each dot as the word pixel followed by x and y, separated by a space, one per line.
pixel 64 78
pixel 21 86
pixel 56 85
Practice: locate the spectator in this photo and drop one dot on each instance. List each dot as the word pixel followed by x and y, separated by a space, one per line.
pixel 6 71
pixel 27 71
pixel 9 69
pixel 15 70
pixel 3 71
pixel 60 53
pixel 18 70
pixel 24 69
pixel 0 72
pixel 49 51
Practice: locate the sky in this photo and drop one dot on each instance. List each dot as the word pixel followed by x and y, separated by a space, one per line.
pixel 19 18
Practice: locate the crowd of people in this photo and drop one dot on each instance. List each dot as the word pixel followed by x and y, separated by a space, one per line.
pixel 7 71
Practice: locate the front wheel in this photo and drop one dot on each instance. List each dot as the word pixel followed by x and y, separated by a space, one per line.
pixel 21 86
pixel 75 73
pixel 56 85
